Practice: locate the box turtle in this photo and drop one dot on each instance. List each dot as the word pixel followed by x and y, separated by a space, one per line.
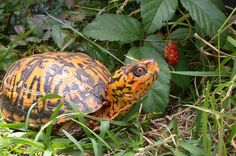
pixel 78 79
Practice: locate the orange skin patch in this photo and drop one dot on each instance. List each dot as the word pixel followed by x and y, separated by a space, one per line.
pixel 126 87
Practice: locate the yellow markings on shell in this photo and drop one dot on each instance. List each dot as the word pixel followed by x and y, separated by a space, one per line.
pixel 45 120
pixel 18 118
pixel 32 121
pixel 91 101
pixel 53 103
pixel 102 75
pixel 28 88
pixel 6 114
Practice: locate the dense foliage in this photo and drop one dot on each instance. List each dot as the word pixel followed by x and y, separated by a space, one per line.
pixel 190 110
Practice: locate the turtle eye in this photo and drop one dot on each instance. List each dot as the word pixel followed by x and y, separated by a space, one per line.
pixel 139 71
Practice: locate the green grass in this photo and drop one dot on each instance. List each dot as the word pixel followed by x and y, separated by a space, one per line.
pixel 200 119
pixel 203 127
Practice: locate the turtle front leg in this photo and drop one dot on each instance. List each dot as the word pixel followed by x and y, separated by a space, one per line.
pixel 76 129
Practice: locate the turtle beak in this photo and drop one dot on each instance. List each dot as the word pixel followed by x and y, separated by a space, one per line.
pixel 152 67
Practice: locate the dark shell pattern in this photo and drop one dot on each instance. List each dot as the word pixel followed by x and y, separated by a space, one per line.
pixel 76 77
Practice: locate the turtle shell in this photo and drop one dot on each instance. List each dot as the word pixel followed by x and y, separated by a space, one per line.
pixel 76 77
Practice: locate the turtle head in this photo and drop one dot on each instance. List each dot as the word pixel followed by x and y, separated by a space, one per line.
pixel 131 82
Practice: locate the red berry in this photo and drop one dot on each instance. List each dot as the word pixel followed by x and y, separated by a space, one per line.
pixel 171 54
pixel 159 33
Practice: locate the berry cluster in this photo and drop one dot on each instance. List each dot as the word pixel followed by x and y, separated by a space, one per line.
pixel 171 54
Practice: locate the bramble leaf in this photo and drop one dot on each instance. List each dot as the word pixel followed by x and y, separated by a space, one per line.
pixel 114 27
pixel 156 13
pixel 7 57
pixel 62 37
pixel 206 15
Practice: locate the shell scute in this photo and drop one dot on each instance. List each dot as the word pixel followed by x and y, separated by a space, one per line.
pixel 76 77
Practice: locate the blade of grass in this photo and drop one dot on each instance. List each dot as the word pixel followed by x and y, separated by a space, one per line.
pixel 28 115
pixel 198 73
pixel 103 128
pixel 72 139
pixel 197 124
pixel 114 138
pixel 13 125
pixel 26 141
pixel 53 121
pixel 213 112
pixel 76 110
pixel 95 147
pixel 219 41
pixel 70 115
pixel 97 136
pixel 48 96
pixel 83 121
pixel 81 118
pixel 4 142
pixel 178 153
pixel 222 86
pixel 49 128
pixel 76 115
pixel 231 41
pixel 175 126
pixel 43 128
pixel 192 149
pixel 233 74
pixel 220 144
pixel 205 121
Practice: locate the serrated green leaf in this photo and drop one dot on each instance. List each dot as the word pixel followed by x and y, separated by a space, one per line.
pixel 63 38
pixel 6 63
pixel 38 23
pixel 68 40
pixel 206 14
pixel 182 81
pixel 113 27
pixel 219 4
pixel 157 98
pixel 155 41
pixel 7 57
pixel 155 13
pixel 58 35
pixel 98 47
pixel 180 34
